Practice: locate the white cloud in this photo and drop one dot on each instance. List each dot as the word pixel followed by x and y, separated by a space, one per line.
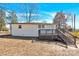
pixel 21 14
pixel 25 14
pixel 49 21
pixel 8 26
pixel 53 14
pixel 43 21
pixel 50 13
pixel 7 14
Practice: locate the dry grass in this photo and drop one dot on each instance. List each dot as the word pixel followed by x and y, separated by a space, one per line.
pixel 15 47
pixel 75 34
pixel 4 32
pixel 20 47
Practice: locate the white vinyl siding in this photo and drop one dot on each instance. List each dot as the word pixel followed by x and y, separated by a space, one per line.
pixel 26 30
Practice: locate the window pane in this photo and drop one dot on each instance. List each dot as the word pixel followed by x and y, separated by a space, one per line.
pixel 20 27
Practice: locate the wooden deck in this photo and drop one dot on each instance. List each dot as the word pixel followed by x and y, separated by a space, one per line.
pixel 49 34
pixel 54 34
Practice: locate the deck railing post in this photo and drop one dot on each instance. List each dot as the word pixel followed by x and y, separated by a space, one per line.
pixel 38 34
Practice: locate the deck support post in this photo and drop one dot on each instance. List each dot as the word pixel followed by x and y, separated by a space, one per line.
pixel 66 46
pixel 75 42
pixel 32 40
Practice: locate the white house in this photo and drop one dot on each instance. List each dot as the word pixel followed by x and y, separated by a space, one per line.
pixel 29 29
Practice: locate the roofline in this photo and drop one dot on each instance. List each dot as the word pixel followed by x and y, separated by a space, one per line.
pixel 32 23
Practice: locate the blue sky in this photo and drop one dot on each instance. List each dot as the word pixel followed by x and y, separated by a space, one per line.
pixel 46 11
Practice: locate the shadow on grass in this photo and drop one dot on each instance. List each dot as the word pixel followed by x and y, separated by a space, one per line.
pixel 55 41
pixel 15 37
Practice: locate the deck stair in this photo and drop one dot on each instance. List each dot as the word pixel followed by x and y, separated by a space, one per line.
pixel 67 38
pixel 50 34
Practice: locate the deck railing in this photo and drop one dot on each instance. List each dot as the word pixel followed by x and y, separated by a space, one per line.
pixel 47 34
pixel 65 37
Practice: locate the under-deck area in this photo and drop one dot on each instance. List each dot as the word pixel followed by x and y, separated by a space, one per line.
pixel 58 35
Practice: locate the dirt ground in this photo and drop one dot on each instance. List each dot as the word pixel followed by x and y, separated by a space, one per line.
pixel 20 47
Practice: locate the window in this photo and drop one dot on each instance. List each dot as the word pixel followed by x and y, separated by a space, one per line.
pixel 20 27
pixel 40 26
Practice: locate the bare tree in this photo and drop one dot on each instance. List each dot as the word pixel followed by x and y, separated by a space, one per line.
pixel 32 12
pixel 60 19
pixel 2 20
pixel 13 17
